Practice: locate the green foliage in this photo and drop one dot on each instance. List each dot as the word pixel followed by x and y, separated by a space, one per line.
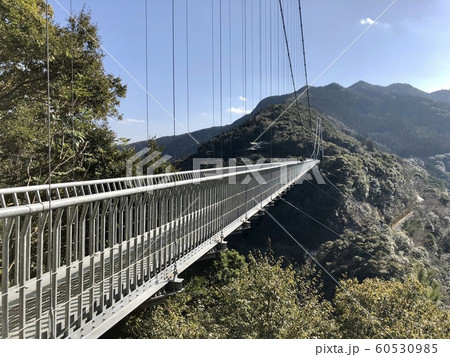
pixel 82 145
pixel 228 266
pixel 428 279
pixel 445 199
pixel 409 123
pixel 258 299
pixel 266 298
pixel 377 309
pixel 366 192
pixel 412 227
pixel 272 302
pixel 370 254
pixel 429 242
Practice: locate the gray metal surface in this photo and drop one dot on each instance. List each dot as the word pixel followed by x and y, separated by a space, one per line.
pixel 80 256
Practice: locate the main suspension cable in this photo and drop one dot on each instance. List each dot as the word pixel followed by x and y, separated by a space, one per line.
pixel 288 54
pixel 306 74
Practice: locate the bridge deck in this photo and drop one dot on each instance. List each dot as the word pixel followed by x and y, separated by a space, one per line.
pixel 102 248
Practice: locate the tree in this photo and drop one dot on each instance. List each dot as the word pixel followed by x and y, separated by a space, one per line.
pixel 392 309
pixel 83 98
pixel 273 302
pixel 372 253
pixel 262 298
pixel 267 298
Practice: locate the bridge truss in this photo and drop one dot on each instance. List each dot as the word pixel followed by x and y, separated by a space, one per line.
pixel 78 257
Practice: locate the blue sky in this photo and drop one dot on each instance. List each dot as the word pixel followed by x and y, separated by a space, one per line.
pixel 408 44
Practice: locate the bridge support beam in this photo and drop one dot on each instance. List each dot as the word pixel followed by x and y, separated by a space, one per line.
pixel 213 253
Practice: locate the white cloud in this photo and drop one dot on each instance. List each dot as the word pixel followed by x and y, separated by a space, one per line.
pixel 239 111
pixel 242 99
pixel 127 121
pixel 138 121
pixel 366 21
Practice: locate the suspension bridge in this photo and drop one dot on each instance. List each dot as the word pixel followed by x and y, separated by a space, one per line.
pixel 83 255
pixel 78 257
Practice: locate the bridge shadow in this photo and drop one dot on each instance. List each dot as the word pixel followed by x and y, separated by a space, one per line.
pixel 265 234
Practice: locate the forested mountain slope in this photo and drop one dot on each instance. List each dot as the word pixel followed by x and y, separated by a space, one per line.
pixel 184 144
pixel 380 220
pixel 405 120
pixel 367 191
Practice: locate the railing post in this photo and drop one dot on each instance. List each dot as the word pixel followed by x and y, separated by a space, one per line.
pixel 5 279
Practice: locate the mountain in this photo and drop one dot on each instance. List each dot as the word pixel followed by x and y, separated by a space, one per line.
pixel 403 89
pixel 378 215
pixel 184 145
pixel 402 118
pixel 398 118
pixel 441 95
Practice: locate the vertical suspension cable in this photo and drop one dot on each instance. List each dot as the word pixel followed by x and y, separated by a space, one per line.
pixel 304 60
pixel 286 13
pixel 270 48
pixel 52 257
pixel 278 55
pixel 244 67
pixel 212 64
pixel 293 41
pixel 290 68
pixel 173 78
pixel 71 112
pixel 220 74
pixel 321 138
pixel 175 272
pixel 270 91
pixel 282 77
pixel 260 50
pixel 230 69
pixel 187 68
pixel 221 111
pixel 266 48
pixel 244 17
pixel 252 40
pixel 146 70
pixel 229 47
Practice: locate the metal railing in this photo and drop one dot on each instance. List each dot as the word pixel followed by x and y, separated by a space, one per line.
pixel 77 257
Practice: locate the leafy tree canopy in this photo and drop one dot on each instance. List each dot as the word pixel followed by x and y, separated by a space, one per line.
pixel 380 309
pixel 83 98
pixel 255 299
pixel 265 297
